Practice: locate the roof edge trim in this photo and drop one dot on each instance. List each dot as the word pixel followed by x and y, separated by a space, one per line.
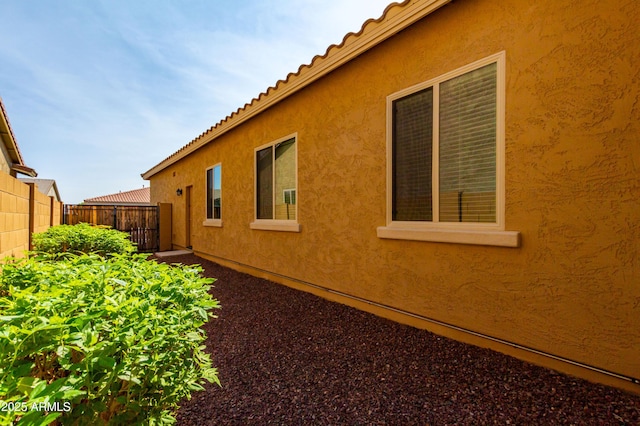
pixel 22 169
pixel 11 144
pixel 396 17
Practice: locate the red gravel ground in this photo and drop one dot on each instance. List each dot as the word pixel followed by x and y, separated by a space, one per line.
pixel 287 357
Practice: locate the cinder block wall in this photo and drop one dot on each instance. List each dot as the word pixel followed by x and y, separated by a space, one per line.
pixel 20 216
pixel 43 211
pixel 14 216
pixel 56 211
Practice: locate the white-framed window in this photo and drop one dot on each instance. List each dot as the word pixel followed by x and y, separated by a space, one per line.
pixel 213 181
pixel 276 180
pixel 289 196
pixel 445 158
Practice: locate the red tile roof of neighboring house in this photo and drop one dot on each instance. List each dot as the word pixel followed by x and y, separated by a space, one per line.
pixel 395 18
pixel 138 197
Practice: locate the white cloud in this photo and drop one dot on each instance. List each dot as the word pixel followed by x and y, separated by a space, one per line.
pixel 98 92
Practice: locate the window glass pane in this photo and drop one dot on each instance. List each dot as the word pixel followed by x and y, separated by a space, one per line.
pixel 209 193
pixel 214 192
pixel 468 147
pixel 289 196
pixel 285 177
pixel 412 157
pixel 217 192
pixel 264 184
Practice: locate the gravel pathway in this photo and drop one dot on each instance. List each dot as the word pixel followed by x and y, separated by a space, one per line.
pixel 287 357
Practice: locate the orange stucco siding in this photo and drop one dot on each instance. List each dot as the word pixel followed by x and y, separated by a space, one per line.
pixel 572 161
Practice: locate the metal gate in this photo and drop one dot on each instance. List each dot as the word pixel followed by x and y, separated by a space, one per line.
pixel 140 222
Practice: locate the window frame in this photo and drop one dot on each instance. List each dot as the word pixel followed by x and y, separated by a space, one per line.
pixel 214 222
pixel 292 196
pixel 284 225
pixel 453 232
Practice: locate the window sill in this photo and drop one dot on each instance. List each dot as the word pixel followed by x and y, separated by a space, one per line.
pixel 275 225
pixel 462 236
pixel 213 222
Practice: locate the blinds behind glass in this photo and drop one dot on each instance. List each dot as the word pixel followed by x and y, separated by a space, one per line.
pixel 412 157
pixel 467 163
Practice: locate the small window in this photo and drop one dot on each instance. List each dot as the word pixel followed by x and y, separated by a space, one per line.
pixel 214 192
pixel 289 196
pixel 276 174
pixel 276 181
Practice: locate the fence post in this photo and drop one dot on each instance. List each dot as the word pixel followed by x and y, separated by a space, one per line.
pixel 32 212
pixel 51 205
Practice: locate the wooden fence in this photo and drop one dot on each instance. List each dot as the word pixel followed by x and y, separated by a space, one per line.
pixel 140 222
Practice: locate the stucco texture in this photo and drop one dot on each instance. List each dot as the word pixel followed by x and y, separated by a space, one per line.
pixel 572 288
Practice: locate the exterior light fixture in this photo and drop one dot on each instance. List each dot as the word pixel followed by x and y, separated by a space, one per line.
pixel 179 192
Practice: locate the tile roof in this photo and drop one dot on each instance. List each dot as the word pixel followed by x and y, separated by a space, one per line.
pixel 395 18
pixel 140 196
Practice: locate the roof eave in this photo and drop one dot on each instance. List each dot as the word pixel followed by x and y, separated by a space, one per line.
pixel 55 189
pixel 18 168
pixel 396 17
pixel 8 138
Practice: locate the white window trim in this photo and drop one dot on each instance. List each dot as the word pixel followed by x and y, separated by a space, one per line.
pixel 274 224
pixel 290 191
pixel 217 223
pixel 462 233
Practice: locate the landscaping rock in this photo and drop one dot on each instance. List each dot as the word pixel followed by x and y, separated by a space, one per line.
pixel 287 357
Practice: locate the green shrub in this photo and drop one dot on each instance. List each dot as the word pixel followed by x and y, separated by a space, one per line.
pixel 88 340
pixel 82 238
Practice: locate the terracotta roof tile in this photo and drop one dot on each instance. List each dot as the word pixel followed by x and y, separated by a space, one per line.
pixel 135 197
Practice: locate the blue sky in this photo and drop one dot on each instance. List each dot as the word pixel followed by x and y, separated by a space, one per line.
pixel 99 91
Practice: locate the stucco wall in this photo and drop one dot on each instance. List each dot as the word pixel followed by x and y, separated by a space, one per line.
pixel 5 160
pixel 572 288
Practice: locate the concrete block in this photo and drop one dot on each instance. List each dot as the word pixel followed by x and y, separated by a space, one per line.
pixel 10 222
pixel 6 198
pixel 13 204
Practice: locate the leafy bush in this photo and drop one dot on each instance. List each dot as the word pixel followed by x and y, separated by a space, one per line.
pixel 82 238
pixel 88 340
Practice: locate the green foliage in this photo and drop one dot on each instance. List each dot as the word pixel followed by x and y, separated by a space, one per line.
pixel 89 340
pixel 82 238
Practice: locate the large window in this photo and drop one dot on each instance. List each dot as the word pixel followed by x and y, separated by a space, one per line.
pixel 214 195
pixel 276 182
pixel 447 172
pixel 446 154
